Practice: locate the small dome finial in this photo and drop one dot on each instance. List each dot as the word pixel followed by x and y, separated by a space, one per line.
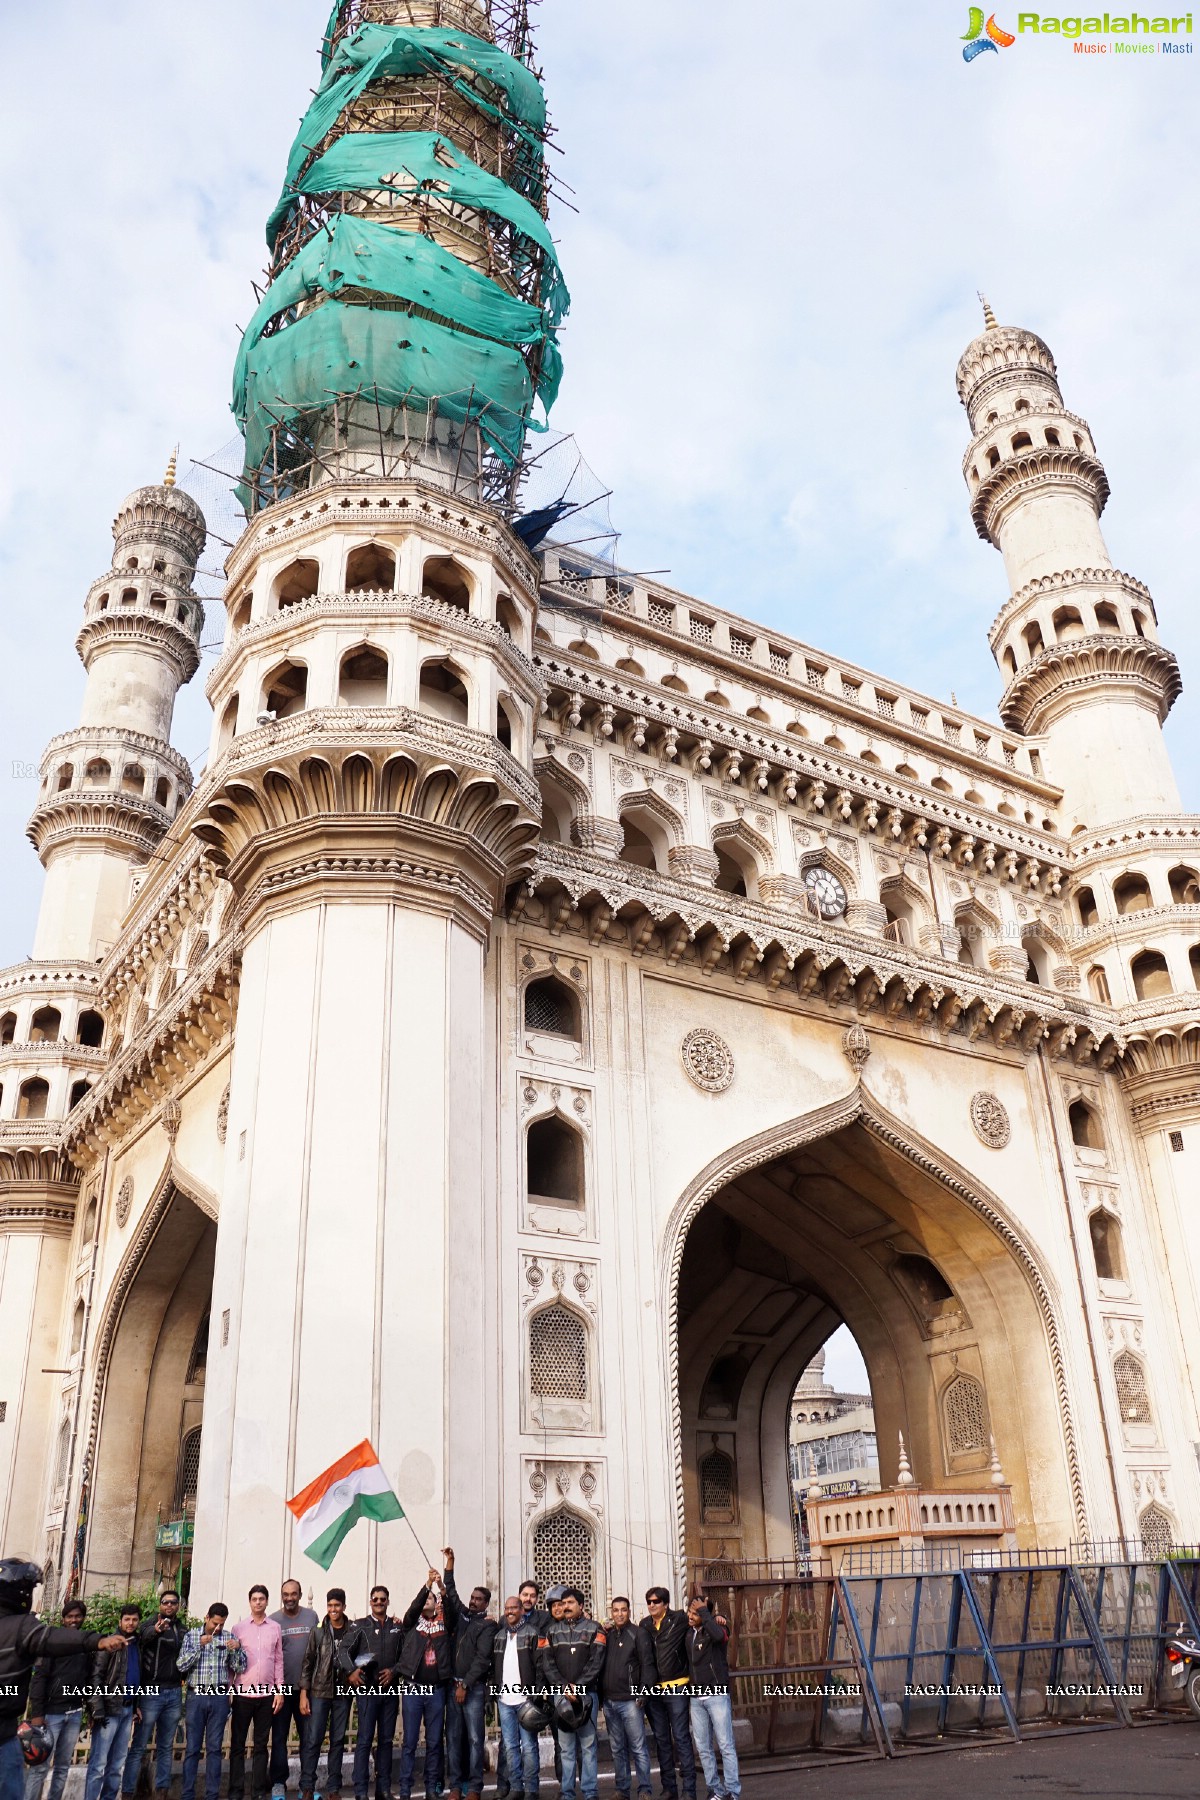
pixel 169 478
pixel 989 317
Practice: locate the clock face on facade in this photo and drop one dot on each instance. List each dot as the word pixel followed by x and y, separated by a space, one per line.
pixel 827 891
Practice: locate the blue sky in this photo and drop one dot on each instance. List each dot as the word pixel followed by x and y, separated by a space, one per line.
pixel 782 222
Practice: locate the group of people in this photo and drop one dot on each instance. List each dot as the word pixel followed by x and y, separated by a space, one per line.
pixel 432 1671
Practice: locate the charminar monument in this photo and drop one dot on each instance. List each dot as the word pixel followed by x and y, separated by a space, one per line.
pixel 558 1004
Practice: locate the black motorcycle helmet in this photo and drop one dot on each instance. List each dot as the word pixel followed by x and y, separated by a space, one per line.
pixel 570 1714
pixel 18 1578
pixel 37 1744
pixel 534 1714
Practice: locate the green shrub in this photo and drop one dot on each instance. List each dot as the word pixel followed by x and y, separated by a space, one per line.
pixel 104 1610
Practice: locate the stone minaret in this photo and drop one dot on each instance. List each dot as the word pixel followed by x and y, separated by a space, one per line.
pixel 110 788
pixel 1077 640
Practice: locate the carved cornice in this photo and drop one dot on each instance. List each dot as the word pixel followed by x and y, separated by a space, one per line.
pixel 1126 926
pixel 60 1050
pixel 690 926
pixel 1052 414
pixel 50 978
pixel 144 631
pixel 32 1151
pixel 1036 470
pixel 93 738
pixel 1106 580
pixel 999 354
pixel 162 515
pixel 36 1208
pixel 376 609
pixel 1177 833
pixel 120 821
pixel 384 506
pixel 1130 665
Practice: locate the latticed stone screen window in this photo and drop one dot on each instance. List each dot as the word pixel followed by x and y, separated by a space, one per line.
pixel 952 731
pixel 741 646
pixel 188 1479
pixel 564 1550
pixel 966 1416
pixel 815 675
pixel 716 1488
pixel 558 1354
pixel 851 689
pixel 661 614
pixel 701 629
pixel 1157 1533
pixel 982 744
pixel 780 660
pixel 920 719
pixel 886 703
pixel 1132 1397
pixel 1010 755
pixel 548 1008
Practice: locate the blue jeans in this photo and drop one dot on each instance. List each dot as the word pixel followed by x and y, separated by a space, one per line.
pixel 627 1741
pixel 671 1725
pixel 376 1731
pixel 281 1729
pixel 521 1752
pixel 206 1715
pixel 428 1708
pixel 65 1729
pixel 712 1717
pixel 464 1740
pixel 336 1715
pixel 161 1710
pixel 106 1758
pixel 580 1747
pixel 12 1770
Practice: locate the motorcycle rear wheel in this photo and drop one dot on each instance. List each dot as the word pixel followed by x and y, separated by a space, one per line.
pixel 1192 1687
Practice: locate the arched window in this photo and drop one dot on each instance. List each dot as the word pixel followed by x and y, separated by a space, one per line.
pixel 33 1099
pixel 133 779
pixel 227 729
pixel 554 1162
pixel 1033 638
pixel 1151 977
pixel 1107 1249
pixel 1008 662
pixel 129 596
pixel 158 603
pixel 198 1360
pixel 550 1006
pixel 1131 894
pixel 370 569
pixel 285 691
pixel 1139 623
pixel 66 776
pixel 716 1488
pixel 162 791
pixel 1022 441
pixel 8 1028
pixel 1068 624
pixel 443 691
pixel 1085 902
pixel 505 717
pixel 90 1030
pixel 46 1025
pixel 508 617
pixel 298 582
pixel 97 774
pixel 88 1233
pixel 79 1091
pixel 558 1354
pixel 446 580
pixel 239 612
pixel 1052 437
pixel 1106 617
pixel 187 1479
pixel 965 1412
pixel 1086 1130
pixel 1098 985
pixel 637 848
pixel 993 457
pixel 363 677
pixel 1157 1534
pixel 77 1328
pixel 731 878
pixel 1132 1396
pixel 564 1550
pixel 1185 886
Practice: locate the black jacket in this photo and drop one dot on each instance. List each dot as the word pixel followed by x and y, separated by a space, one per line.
pixel 51 1675
pixel 384 1638
pixel 23 1639
pixel 110 1671
pixel 320 1675
pixel 664 1652
pixel 622 1677
pixel 706 1655
pixel 412 1664
pixel 571 1654
pixel 472 1640
pixel 527 1635
pixel 159 1653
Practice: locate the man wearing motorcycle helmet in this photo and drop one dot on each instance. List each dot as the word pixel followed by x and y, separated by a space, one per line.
pixel 23 1639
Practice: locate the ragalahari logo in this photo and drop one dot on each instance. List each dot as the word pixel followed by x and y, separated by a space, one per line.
pixel 981 37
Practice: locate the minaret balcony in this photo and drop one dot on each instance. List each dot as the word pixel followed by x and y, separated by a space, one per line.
pixel 1128 667
pixel 174 639
pixel 1036 469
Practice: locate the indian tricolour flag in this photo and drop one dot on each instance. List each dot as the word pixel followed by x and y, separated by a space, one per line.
pixel 354 1488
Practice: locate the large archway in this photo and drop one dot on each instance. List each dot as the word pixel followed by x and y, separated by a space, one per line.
pixel 846 1218
pixel 152 1356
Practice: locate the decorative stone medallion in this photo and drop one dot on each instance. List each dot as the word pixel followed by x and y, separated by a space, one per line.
pixel 856 1046
pixel 124 1200
pixel 990 1119
pixel 707 1061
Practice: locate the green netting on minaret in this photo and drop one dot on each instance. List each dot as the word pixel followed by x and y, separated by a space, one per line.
pixel 361 307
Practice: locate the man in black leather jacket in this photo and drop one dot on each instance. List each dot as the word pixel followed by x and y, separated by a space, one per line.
pixel 427 1666
pixel 468 1695
pixel 663 1637
pixel 378 1700
pixel 22 1640
pixel 159 1641
pixel 570 1658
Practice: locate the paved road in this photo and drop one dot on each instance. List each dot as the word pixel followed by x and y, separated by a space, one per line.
pixel 1147 1762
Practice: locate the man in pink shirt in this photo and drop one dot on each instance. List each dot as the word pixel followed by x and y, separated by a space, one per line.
pixel 257 1695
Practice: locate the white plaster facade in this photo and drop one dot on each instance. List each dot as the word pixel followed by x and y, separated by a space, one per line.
pixel 560 1003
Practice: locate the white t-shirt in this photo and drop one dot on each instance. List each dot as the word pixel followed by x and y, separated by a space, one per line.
pixel 513 1693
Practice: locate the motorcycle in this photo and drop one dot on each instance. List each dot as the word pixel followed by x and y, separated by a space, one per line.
pixel 1183 1659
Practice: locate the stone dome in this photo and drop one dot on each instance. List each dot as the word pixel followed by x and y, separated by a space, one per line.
pixel 1001 353
pixel 162 515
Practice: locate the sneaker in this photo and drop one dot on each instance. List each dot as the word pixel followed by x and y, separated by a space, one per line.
pixel 279 1791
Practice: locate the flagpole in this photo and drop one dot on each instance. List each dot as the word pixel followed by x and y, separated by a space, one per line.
pixel 417 1541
